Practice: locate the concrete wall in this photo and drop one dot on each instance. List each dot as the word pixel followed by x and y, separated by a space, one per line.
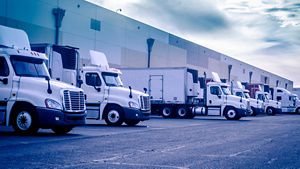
pixel 122 39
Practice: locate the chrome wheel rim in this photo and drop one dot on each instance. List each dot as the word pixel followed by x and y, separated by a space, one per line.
pixel 24 120
pixel 113 116
pixel 231 114
pixel 166 111
pixel 181 112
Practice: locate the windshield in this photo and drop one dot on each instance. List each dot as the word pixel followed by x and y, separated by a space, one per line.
pixel 225 90
pixel 30 67
pixel 112 79
pixel 240 94
pixel 247 95
pixel 267 96
pixel 261 97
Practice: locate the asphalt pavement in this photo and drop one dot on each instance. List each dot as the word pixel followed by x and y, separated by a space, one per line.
pixel 204 142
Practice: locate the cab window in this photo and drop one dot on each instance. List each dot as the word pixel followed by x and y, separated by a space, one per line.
pixel 4 70
pixel 214 90
pixel 92 79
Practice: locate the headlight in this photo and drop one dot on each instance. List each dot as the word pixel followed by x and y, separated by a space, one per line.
pixel 243 106
pixel 52 104
pixel 133 105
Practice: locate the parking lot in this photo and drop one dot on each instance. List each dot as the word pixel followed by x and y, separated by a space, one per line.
pixel 203 142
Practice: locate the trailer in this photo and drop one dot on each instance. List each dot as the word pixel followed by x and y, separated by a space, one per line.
pixel 173 91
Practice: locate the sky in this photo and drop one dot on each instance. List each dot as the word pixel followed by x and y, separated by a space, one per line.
pixel 263 33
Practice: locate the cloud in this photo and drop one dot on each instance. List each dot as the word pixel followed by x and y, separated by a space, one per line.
pixel 263 33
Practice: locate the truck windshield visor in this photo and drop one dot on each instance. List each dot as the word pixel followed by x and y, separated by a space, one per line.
pixel 29 67
pixel 225 90
pixel 112 79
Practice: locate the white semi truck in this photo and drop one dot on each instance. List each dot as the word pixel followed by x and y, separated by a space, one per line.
pixel 290 102
pixel 106 97
pixel 271 106
pixel 173 91
pixel 29 99
pixel 256 105
pixel 217 99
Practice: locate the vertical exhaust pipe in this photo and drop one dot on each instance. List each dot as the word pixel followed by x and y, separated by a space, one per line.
pixel 58 15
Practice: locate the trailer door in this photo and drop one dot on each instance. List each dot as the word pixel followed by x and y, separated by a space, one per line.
pixel 156 87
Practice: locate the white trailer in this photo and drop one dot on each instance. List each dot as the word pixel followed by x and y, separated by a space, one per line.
pixel 107 99
pixel 173 91
pixel 289 101
pixel 29 99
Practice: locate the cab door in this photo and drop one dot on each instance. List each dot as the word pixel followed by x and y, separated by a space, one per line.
pixel 214 100
pixel 94 90
pixel 5 87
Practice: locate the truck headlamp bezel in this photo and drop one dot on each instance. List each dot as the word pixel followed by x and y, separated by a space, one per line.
pixel 52 104
pixel 133 105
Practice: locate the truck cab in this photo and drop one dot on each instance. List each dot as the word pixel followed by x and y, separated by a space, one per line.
pixel 271 106
pixel 29 99
pixel 255 106
pixel 289 102
pixel 218 100
pixel 107 98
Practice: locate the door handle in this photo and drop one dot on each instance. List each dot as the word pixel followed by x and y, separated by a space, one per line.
pixel 210 101
pixel 4 81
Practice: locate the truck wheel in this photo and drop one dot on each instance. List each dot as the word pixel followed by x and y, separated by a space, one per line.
pixel 24 121
pixel 298 110
pixel 132 122
pixel 253 112
pixel 231 114
pixel 166 112
pixel 270 111
pixel 182 113
pixel 114 116
pixel 62 130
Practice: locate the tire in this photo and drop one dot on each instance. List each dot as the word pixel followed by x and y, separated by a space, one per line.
pixel 298 110
pixel 182 112
pixel 24 121
pixel 270 111
pixel 254 113
pixel 131 122
pixel 62 130
pixel 166 112
pixel 114 116
pixel 231 114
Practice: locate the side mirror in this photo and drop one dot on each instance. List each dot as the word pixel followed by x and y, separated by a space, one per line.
pixel 4 81
pixel 145 90
pixel 80 82
pixel 219 96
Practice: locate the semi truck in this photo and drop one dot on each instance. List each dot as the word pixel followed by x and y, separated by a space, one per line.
pixel 106 97
pixel 175 92
pixel 256 105
pixel 29 99
pixel 217 99
pixel 260 91
pixel 289 102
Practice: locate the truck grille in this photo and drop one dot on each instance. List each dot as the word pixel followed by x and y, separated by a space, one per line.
pixel 73 101
pixel 145 103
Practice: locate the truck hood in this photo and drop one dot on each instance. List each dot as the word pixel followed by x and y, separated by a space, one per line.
pixel 124 92
pixel 275 103
pixel 34 90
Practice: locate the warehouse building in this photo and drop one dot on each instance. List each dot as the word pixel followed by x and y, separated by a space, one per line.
pixel 126 42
